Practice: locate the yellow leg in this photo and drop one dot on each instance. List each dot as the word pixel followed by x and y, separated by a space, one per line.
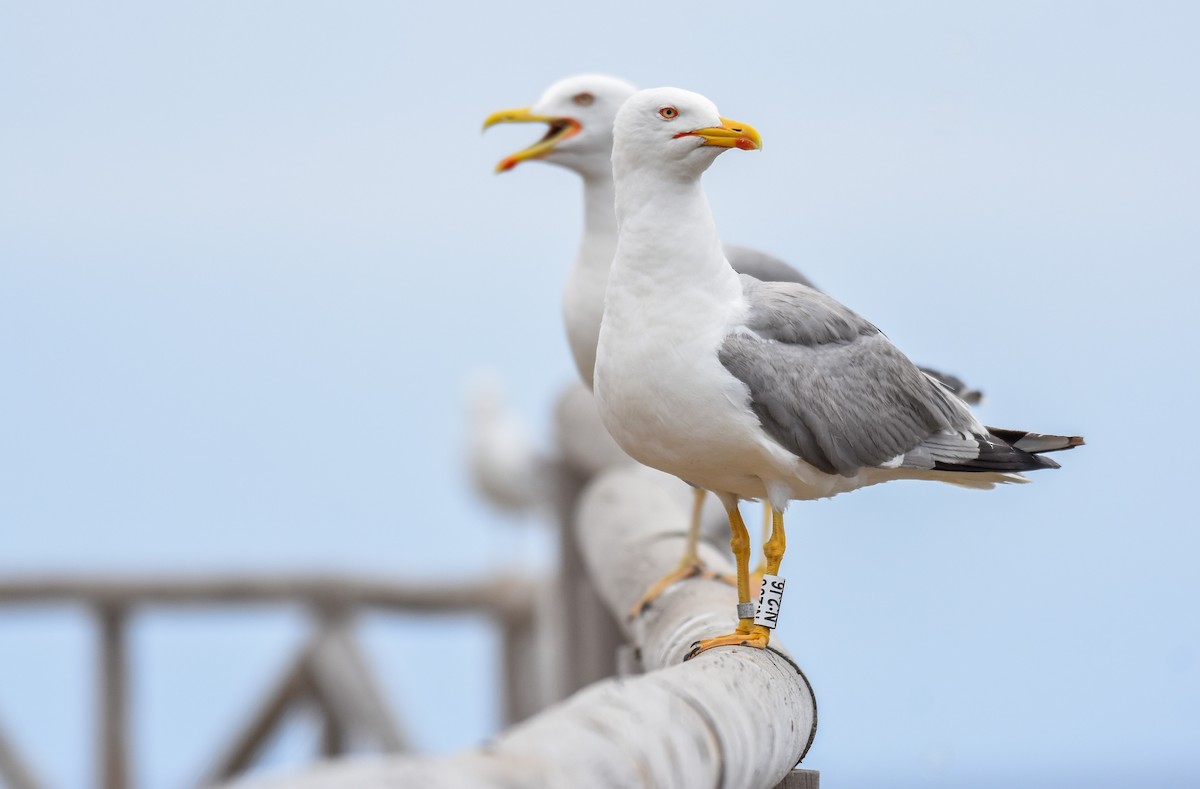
pixel 776 544
pixel 757 574
pixel 747 634
pixel 691 549
pixel 690 565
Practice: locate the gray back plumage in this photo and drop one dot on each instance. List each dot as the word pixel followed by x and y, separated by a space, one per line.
pixel 829 387
pixel 768 268
pixel 761 266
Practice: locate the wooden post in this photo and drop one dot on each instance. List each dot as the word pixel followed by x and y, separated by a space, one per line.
pixel 800 779
pixel 113 740
pixel 520 691
pixel 588 634
pixel 333 737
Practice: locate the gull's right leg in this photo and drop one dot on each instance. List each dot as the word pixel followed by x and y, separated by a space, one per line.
pixel 747 634
pixel 768 513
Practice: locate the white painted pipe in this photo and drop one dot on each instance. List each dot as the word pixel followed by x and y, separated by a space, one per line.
pixel 732 717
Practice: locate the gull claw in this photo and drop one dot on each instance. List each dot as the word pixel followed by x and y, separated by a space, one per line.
pixel 684 572
pixel 757 638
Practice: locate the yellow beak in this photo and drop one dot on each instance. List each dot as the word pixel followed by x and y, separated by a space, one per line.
pixel 730 134
pixel 560 129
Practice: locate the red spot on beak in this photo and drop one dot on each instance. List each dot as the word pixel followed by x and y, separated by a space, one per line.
pixel 744 144
pixel 507 164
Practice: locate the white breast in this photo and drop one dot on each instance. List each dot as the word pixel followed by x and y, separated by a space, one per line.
pixel 663 393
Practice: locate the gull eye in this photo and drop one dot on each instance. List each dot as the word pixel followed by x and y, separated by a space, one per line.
pixel 583 99
pixel 668 113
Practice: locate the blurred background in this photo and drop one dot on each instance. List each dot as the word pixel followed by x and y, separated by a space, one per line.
pixel 250 255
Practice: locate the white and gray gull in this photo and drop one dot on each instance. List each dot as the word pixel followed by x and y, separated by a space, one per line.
pixel 759 390
pixel 579 113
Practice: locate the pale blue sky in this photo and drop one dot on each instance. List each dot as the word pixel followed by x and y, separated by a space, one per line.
pixel 250 253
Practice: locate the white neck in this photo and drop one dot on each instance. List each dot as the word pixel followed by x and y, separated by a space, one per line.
pixel 667 229
pixel 583 292
pixel 599 222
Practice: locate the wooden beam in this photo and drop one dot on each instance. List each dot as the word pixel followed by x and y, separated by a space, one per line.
pixel 290 689
pixel 14 773
pixel 345 688
pixel 498 595
pixel 521 664
pixel 331 674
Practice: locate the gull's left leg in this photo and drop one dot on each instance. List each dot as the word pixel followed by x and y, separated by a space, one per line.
pixel 747 634
pixel 689 566
pixel 776 544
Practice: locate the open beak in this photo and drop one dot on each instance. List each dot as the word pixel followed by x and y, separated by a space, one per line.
pixel 560 129
pixel 730 134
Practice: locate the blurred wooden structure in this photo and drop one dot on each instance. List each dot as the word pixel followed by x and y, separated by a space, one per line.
pixel 555 637
pixel 329 675
pixel 733 718
pixel 558 636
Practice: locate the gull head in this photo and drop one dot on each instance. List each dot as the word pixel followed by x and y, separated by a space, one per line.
pixel 579 112
pixel 675 132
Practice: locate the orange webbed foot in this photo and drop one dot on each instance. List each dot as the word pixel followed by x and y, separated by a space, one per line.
pixel 757 638
pixel 683 572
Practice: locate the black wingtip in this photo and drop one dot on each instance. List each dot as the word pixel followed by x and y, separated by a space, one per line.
pixel 1044 462
pixel 1012 451
pixel 1036 443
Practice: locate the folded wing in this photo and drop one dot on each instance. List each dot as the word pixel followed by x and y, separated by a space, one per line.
pixel 829 387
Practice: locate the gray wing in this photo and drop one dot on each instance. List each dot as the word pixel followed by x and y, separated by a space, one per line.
pixel 829 387
pixel 761 266
pixel 768 268
pixel 965 392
